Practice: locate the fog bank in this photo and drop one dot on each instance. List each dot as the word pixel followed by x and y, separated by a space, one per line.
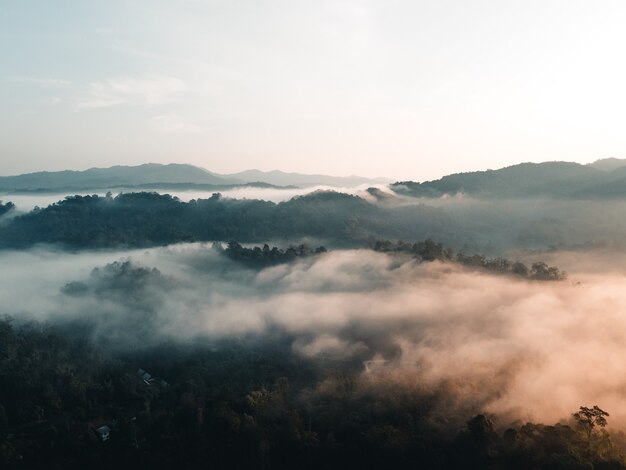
pixel 520 349
pixel 27 202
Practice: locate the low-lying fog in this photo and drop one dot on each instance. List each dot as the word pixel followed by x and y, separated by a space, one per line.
pixel 27 202
pixel 491 227
pixel 516 348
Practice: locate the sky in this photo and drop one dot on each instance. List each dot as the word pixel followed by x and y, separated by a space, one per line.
pixel 406 89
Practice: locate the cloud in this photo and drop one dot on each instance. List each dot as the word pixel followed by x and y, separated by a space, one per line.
pixel 148 91
pixel 516 348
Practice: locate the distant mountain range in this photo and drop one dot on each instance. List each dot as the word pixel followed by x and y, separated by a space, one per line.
pixel 281 178
pixel 115 176
pixel 172 176
pixel 564 180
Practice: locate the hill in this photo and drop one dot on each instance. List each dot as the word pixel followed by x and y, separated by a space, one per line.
pixel 157 176
pixel 608 164
pixel 115 176
pixel 560 180
pixel 151 219
pixel 280 178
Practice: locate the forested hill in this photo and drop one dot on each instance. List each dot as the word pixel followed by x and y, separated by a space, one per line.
pixel 150 219
pixel 562 180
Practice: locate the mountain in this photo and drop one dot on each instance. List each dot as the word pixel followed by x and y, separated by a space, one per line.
pixel 280 178
pixel 115 176
pixel 563 180
pixel 608 164
pixel 172 176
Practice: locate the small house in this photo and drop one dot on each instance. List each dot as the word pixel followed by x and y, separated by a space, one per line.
pixel 143 375
pixel 104 433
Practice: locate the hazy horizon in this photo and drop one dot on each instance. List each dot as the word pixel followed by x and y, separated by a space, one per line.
pixel 406 90
pixel 287 171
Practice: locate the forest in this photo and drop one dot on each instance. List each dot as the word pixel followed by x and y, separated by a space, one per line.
pixel 265 256
pixel 253 405
pixel 4 208
pixel 149 219
pixel 208 355
pixel 492 227
pixel 428 250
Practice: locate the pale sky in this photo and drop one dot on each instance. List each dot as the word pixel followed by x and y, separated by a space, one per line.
pixel 398 88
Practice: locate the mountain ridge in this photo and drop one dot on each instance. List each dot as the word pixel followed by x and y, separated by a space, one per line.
pixel 525 180
pixel 166 174
pixel 282 178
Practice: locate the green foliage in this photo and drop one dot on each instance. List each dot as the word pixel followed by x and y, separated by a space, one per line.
pixel 555 180
pixel 590 418
pixel 256 405
pixel 151 219
pixel 4 208
pixel 428 250
pixel 591 423
pixel 266 256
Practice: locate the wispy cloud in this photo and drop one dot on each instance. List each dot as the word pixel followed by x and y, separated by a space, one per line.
pixel 41 82
pixel 174 124
pixel 148 91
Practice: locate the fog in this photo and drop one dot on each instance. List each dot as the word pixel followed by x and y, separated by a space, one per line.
pixel 511 225
pixel 27 202
pixel 520 349
pixel 491 227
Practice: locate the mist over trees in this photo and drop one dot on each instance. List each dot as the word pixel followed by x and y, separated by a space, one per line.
pixel 274 352
pixel 253 405
pixel 554 180
pixel 490 227
pixel 281 397
pixel 149 219
pixel 428 250
pixel 265 256
pixel 4 208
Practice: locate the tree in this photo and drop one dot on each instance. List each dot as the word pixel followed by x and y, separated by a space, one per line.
pixel 588 419
pixel 520 269
pixel 4 208
pixel 542 272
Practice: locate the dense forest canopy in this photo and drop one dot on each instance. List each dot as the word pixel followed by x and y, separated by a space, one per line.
pixel 4 208
pixel 272 351
pixel 335 219
pixel 229 405
pixel 557 180
pixel 148 219
pixel 428 250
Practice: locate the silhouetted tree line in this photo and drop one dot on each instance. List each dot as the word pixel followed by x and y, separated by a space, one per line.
pixel 248 406
pixel 266 256
pixel 150 219
pixel 4 208
pixel 429 250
